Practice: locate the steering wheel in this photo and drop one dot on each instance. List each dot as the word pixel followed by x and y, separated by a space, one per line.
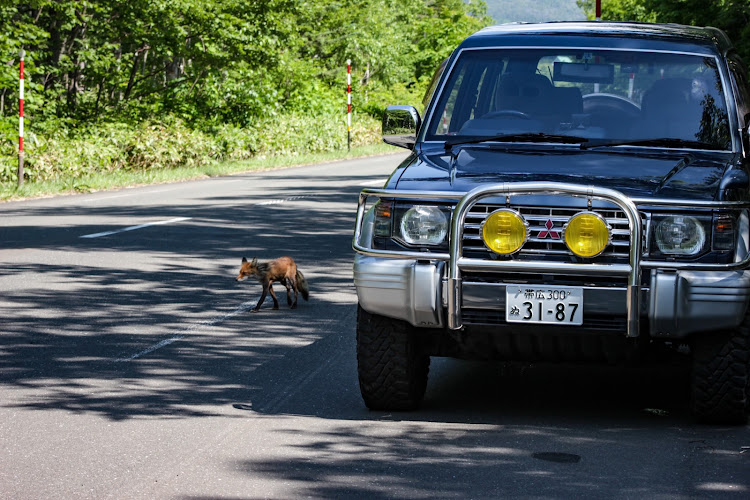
pixel 507 113
pixel 607 103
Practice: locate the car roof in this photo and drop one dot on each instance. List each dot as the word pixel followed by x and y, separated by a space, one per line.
pixel 679 37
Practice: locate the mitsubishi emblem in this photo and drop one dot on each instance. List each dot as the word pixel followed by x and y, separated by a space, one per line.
pixel 549 232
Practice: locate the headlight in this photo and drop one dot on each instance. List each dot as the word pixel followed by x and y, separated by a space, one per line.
pixel 587 234
pixel 423 225
pixel 680 235
pixel 505 231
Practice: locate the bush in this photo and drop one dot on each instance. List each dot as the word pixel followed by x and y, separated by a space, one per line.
pixel 76 153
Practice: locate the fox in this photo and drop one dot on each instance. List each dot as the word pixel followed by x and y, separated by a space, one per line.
pixel 284 270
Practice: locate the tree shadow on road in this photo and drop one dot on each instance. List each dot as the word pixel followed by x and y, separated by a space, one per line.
pixel 70 331
pixel 75 328
pixel 77 339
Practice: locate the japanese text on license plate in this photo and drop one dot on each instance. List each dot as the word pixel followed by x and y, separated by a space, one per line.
pixel 559 305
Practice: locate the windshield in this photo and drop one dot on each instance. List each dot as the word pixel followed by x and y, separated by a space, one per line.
pixel 601 95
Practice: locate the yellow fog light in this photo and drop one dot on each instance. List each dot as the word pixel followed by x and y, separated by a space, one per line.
pixel 587 234
pixel 504 231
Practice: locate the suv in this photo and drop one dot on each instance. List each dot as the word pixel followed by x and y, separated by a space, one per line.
pixel 576 192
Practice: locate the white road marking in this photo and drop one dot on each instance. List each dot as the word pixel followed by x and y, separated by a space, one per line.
pixel 150 349
pixel 379 182
pixel 133 228
pixel 245 306
pixel 279 201
pixel 269 202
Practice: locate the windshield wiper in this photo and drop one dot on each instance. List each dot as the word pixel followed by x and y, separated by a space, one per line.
pixel 526 137
pixel 669 142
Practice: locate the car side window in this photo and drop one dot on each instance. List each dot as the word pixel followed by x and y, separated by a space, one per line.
pixel 470 92
pixel 433 85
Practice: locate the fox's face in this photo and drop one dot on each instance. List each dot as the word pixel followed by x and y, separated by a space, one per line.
pixel 247 269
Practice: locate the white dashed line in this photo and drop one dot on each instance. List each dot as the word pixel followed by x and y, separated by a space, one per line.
pixel 150 349
pixel 279 201
pixel 269 202
pixel 245 306
pixel 133 228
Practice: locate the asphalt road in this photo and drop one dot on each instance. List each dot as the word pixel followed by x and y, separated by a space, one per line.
pixel 131 368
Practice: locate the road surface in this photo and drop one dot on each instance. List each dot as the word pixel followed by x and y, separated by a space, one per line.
pixel 131 368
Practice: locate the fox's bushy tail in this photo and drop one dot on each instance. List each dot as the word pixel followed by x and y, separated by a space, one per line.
pixel 302 286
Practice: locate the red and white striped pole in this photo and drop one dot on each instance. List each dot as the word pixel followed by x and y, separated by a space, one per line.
pixel 349 104
pixel 22 53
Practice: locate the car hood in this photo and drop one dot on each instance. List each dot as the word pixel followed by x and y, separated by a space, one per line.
pixel 676 174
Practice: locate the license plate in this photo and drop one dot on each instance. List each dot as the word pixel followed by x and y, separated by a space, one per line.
pixel 557 305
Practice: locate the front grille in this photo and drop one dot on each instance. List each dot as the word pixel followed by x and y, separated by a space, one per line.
pixel 545 237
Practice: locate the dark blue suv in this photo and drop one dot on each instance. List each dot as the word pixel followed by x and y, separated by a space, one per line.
pixel 576 192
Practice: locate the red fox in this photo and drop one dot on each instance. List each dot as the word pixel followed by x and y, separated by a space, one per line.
pixel 283 270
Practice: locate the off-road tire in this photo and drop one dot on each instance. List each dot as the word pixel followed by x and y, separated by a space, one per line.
pixel 392 370
pixel 720 385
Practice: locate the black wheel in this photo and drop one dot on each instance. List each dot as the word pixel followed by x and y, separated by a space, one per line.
pixel 720 392
pixel 392 370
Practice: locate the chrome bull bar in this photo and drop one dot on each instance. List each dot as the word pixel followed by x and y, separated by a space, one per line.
pixel 456 263
pixel 632 269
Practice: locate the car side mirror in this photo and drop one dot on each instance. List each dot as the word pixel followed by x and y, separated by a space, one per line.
pixel 400 126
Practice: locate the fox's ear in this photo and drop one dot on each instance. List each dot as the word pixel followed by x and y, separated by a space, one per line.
pixel 255 261
pixel 244 260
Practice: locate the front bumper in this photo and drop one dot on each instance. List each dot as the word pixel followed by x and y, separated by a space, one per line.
pixel 433 290
pixel 675 304
pixel 401 289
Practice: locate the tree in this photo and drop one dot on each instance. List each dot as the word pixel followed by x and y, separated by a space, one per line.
pixel 731 16
pixel 209 60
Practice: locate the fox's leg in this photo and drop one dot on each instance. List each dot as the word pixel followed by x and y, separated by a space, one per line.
pixel 293 281
pixel 262 297
pixel 288 292
pixel 273 295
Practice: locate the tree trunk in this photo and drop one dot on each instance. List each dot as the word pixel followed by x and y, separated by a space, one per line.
pixel 131 80
pixel 75 79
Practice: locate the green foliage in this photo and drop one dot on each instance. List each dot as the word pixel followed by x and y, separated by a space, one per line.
pixel 149 145
pixel 534 11
pixel 127 85
pixel 154 84
pixel 230 61
pixel 620 10
pixel 441 28
pixel 732 16
pixel 133 85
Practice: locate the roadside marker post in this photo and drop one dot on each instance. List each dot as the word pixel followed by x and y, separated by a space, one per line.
pixel 349 104
pixel 22 54
pixel 366 80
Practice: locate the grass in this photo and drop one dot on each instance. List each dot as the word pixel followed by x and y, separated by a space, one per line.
pixel 123 178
